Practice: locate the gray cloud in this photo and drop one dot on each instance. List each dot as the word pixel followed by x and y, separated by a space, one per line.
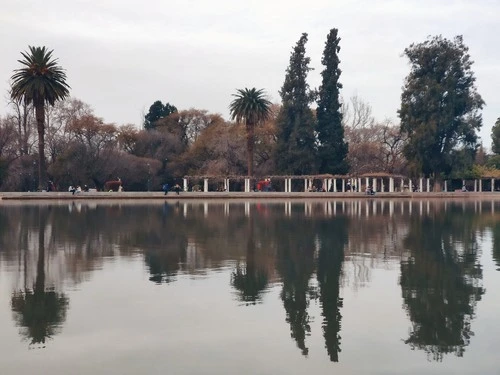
pixel 121 56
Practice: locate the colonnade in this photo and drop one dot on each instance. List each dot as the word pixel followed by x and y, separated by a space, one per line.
pixel 344 184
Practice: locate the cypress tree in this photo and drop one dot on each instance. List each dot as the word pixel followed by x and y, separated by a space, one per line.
pixel 295 146
pixel 332 148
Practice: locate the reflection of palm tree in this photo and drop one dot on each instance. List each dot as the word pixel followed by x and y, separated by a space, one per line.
pixel 251 281
pixel 333 237
pixel 440 285
pixel 39 312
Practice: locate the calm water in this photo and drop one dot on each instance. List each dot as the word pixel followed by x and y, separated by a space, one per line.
pixel 281 287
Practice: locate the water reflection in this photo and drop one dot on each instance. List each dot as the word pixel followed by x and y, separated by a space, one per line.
pixel 252 279
pixel 441 282
pixel 333 238
pixel 299 247
pixel 295 264
pixel 39 312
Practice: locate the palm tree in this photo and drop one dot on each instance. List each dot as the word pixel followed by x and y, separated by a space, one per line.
pixel 39 81
pixel 250 107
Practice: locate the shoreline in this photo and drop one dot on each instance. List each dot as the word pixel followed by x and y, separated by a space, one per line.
pixel 20 196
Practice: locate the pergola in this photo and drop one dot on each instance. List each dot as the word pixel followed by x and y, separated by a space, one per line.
pixel 378 181
pixel 317 182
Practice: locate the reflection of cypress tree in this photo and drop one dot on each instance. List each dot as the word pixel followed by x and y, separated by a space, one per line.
pixel 164 263
pixel 296 264
pixel 251 281
pixel 496 244
pixel 39 312
pixel 440 284
pixel 333 238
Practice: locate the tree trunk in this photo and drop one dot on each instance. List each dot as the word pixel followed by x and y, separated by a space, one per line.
pixel 40 122
pixel 250 143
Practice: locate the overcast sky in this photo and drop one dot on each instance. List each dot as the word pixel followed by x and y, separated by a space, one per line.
pixel 121 56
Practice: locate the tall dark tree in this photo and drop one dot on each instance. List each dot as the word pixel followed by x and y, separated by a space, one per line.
pixel 250 107
pixel 440 105
pixel 157 111
pixel 296 143
pixel 40 81
pixel 332 148
pixel 495 137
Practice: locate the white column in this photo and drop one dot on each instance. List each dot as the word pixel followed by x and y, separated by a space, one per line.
pixel 428 185
pixel 247 185
pixel 475 186
pixel 445 186
pixel 185 184
pixel 391 185
pixel 375 184
pixel 306 183
pixel 358 187
pixel 205 185
pixel 343 185
pixel 421 184
pixel 492 184
pixel 402 185
pixel 367 181
pixel 334 185
pixel 481 186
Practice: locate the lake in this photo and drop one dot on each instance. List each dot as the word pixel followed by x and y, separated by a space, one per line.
pixel 320 286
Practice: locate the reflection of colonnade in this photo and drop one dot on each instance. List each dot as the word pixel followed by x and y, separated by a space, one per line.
pixel 354 208
pixel 379 182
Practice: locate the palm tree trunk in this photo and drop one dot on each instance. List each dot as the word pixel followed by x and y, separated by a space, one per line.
pixel 40 122
pixel 40 269
pixel 250 143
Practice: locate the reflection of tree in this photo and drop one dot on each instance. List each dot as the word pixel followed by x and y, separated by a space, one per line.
pixel 164 254
pixel 296 264
pixel 440 283
pixel 333 237
pixel 39 312
pixel 252 280
pixel 496 244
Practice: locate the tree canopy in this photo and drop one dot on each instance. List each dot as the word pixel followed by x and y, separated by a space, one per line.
pixel 296 143
pixel 495 137
pixel 157 111
pixel 439 105
pixel 332 149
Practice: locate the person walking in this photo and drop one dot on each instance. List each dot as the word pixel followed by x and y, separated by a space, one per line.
pixel 165 188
